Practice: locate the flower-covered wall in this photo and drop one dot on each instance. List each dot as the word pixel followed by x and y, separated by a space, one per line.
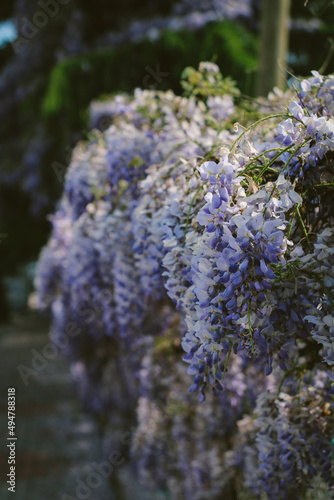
pixel 190 281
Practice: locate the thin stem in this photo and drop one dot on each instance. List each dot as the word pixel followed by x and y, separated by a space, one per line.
pixel 271 193
pixel 175 148
pixel 294 278
pixel 286 374
pixel 294 153
pixel 304 228
pixel 325 185
pixel 250 328
pixel 300 387
pixel 191 206
pixel 292 219
pixel 227 360
pixel 257 157
pixel 272 161
pixel 254 125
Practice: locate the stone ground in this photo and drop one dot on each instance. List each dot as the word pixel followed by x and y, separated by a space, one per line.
pixel 56 442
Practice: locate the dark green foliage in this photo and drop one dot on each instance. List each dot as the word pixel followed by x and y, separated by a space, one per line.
pixel 74 82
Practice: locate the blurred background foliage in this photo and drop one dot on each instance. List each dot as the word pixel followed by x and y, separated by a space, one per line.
pixel 81 50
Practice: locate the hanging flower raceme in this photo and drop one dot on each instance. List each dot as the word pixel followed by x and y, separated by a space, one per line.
pixel 292 440
pixel 232 271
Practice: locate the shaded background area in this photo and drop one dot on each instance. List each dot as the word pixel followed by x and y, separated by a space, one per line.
pixel 67 53
pixel 53 437
pixel 58 447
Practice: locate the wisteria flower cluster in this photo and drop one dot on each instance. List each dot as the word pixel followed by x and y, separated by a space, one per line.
pixel 184 234
pixel 292 440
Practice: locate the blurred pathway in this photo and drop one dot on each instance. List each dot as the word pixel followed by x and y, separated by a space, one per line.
pixel 56 443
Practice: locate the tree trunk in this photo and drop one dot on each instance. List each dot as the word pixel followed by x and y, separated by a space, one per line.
pixel 273 45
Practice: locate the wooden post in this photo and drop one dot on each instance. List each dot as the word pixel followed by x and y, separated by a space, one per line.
pixel 274 35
